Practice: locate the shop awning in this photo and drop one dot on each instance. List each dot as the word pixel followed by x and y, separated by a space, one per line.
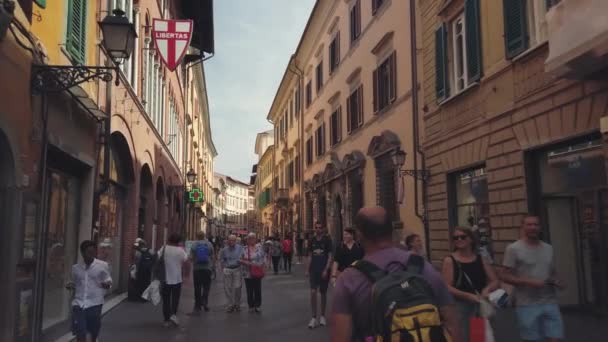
pixel 201 12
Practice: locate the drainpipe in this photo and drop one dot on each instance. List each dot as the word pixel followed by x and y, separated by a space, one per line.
pixel 416 136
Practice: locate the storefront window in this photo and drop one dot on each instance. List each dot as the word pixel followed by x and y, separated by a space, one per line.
pixel 109 229
pixel 61 246
pixel 469 205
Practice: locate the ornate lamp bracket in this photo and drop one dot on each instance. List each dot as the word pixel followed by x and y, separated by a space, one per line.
pixel 58 78
pixel 422 175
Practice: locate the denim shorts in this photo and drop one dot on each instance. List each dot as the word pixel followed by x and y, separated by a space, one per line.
pixel 538 322
pixel 86 320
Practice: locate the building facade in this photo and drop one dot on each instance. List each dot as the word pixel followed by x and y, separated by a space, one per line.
pixel 350 86
pixel 74 158
pixel 515 95
pixel 264 149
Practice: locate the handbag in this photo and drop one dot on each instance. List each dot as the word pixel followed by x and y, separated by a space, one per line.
pixel 257 272
pixel 159 267
pixel 480 330
pixel 486 308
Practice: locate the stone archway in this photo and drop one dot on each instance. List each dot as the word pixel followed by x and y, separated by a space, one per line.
pixel 146 204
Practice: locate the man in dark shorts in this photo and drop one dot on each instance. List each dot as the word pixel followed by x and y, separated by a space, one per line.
pixel 351 313
pixel 318 270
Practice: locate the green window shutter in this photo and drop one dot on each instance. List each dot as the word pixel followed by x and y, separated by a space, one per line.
pixel 516 28
pixel 473 38
pixel 40 3
pixel 441 63
pixel 76 31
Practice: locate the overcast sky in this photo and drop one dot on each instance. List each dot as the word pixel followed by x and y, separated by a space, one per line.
pixel 253 43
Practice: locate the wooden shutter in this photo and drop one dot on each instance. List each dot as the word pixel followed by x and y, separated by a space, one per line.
pixel 349 111
pixel 76 30
pixel 376 92
pixel 392 89
pixel 337 50
pixel 40 3
pixel 360 108
pixel 441 63
pixel 516 28
pixel 473 39
pixel 339 124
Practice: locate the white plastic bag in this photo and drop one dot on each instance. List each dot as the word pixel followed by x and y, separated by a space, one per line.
pixel 133 272
pixel 486 308
pixel 489 331
pixel 152 293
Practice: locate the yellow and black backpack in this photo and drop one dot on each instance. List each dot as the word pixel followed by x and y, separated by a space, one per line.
pixel 403 306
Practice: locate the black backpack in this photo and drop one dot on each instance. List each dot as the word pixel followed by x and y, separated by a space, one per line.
pixel 403 304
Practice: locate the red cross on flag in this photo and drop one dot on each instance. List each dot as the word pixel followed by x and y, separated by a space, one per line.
pixel 171 39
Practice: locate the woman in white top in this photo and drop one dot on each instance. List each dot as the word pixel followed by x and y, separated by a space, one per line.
pixel 174 258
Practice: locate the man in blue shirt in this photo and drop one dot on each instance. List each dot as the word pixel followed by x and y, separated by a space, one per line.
pixel 230 259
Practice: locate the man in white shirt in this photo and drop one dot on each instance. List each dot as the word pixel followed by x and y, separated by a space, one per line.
pixel 91 279
pixel 174 257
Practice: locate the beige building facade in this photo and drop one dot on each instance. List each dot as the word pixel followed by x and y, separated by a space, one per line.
pixel 515 95
pixel 350 82
pixel 264 148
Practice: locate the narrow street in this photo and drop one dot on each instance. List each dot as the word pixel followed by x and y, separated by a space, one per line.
pixel 284 318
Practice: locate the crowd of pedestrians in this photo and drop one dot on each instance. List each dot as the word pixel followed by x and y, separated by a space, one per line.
pixel 374 280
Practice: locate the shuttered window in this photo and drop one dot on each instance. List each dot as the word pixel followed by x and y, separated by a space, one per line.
pixel 473 38
pixel 334 53
pixel 320 137
pixel 355 21
pixel 354 110
pixel 385 185
pixel 309 156
pixel 385 83
pixel 442 86
pixel 319 76
pixel 76 30
pixel 308 94
pixel 376 4
pixel 335 126
pixel 516 30
pixel 355 192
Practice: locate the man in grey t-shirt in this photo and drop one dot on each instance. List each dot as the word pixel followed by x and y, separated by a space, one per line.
pixel 530 268
pixel 202 256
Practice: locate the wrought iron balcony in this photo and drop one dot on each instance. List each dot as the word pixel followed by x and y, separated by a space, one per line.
pixel 282 196
pixel 578 38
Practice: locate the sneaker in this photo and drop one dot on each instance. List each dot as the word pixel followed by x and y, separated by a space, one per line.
pixel 230 309
pixel 313 323
pixel 258 310
pixel 174 320
pixel 322 321
pixel 167 324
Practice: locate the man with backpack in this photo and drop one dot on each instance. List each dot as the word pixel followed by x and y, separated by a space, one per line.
pixel 145 258
pixel 287 247
pixel 391 294
pixel 203 259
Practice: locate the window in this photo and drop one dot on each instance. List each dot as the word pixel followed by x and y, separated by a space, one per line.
pixel 458 52
pixel 469 202
pixel 297 96
pixel 355 21
pixel 309 151
pixel 320 137
pixel 376 4
pixel 334 53
pixel 291 113
pixel 319 76
pixel 297 169
pixel 386 196
pixel 76 34
pixel 354 110
pixel 308 94
pixel 335 127
pixel 385 83
pixel 525 24
pixel 290 174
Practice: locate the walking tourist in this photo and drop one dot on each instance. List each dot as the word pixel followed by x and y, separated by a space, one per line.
pixel 253 272
pixel 144 262
pixel 90 281
pixel 173 257
pixel 347 253
pixel 413 243
pixel 318 269
pixel 287 248
pixel 300 247
pixel 275 253
pixel 352 311
pixel 469 276
pixel 202 256
pixel 230 258
pixel 531 270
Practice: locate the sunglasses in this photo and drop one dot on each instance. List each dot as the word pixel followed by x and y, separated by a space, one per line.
pixel 459 237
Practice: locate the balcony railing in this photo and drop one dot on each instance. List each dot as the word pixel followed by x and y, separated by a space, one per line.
pixel 578 38
pixel 282 196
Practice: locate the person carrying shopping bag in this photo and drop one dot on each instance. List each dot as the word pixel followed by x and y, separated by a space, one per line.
pixel 470 278
pixel 253 272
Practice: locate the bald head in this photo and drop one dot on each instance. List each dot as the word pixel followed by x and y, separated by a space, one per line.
pixel 373 224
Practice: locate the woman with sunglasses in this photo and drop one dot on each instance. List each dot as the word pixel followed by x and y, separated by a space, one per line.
pixel 469 276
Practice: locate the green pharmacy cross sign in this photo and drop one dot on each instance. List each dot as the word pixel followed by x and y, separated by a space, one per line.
pixel 196 195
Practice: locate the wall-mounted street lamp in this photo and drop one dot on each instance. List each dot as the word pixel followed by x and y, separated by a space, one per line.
pixel 398 157
pixel 118 42
pixel 191 176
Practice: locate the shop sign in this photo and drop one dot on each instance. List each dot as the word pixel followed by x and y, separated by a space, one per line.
pixel 171 40
pixel 196 195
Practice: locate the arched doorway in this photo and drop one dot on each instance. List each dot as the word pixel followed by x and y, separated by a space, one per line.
pixel 146 196
pixel 160 220
pixel 339 220
pixel 112 216
pixel 7 212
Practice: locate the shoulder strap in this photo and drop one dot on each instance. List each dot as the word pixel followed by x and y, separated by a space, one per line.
pixel 415 264
pixel 370 270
